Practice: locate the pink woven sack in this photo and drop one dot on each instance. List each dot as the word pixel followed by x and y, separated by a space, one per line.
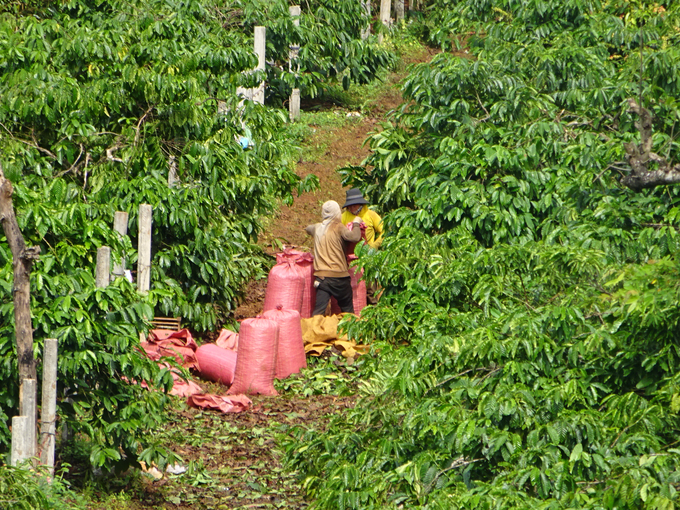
pixel 216 364
pixel 358 293
pixel 304 261
pixel 349 247
pixel 290 355
pixel 285 287
pixel 256 361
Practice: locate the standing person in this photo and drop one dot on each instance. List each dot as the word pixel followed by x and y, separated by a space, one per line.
pixel 357 207
pixel 331 272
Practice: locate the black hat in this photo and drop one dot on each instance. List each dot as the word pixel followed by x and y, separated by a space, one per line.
pixel 354 197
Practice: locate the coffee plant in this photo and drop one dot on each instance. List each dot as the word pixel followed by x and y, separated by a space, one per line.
pixel 526 341
pixel 101 101
pixel 330 46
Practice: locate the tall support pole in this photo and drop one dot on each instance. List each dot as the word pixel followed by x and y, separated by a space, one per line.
pixel 260 44
pixel 294 103
pixel 245 93
pixel 399 10
pixel 172 170
pixel 144 249
pixel 366 7
pixel 28 406
pixel 48 419
pixel 103 270
pixel 385 15
pixel 120 225
pixel 21 447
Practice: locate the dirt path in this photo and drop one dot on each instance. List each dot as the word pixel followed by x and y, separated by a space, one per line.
pixel 332 145
pixel 231 459
pixel 343 147
pixel 329 148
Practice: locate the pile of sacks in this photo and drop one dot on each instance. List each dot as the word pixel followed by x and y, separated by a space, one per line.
pixel 268 346
pixel 163 343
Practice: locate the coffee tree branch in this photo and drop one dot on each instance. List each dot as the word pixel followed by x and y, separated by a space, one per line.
pixel 641 158
pixel 22 260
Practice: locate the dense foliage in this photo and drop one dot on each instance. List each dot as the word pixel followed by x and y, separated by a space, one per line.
pixel 101 101
pixel 528 348
pixel 329 41
pixel 23 489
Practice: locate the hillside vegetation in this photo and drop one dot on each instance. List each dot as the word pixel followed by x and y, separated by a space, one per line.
pixel 525 347
pixel 527 339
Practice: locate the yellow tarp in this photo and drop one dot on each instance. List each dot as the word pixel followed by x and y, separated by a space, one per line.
pixel 319 333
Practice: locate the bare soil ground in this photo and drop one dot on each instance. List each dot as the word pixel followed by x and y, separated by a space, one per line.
pixel 232 458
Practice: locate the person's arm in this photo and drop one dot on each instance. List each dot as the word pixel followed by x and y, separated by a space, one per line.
pixel 310 229
pixel 354 235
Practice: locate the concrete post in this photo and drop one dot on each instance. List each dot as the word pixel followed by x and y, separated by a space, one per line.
pixel 144 249
pixel 244 93
pixel 48 420
pixel 399 10
pixel 172 170
pixel 260 44
pixel 21 446
pixel 120 224
pixel 294 103
pixel 103 270
pixel 385 15
pixel 366 7
pixel 28 407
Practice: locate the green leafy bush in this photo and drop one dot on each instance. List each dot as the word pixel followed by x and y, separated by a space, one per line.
pixel 330 46
pixel 24 489
pixel 527 331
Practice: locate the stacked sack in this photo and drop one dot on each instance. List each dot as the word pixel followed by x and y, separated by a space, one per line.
pixel 270 345
pixel 303 263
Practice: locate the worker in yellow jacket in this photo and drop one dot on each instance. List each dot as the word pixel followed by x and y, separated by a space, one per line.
pixel 357 207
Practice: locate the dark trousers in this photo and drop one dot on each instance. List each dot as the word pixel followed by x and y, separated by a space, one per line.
pixel 339 288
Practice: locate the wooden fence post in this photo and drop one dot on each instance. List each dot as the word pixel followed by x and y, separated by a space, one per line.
pixel 244 93
pixel 385 16
pixel 294 103
pixel 366 7
pixel 21 450
pixel 144 249
pixel 103 271
pixel 260 44
pixel 28 406
pixel 48 420
pixel 120 225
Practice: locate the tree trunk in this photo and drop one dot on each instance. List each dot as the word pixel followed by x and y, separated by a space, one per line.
pixel 22 260
pixel 640 156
